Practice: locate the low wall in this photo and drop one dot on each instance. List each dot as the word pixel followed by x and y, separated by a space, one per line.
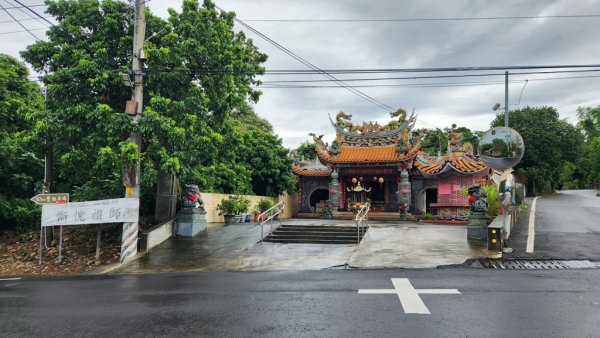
pixel 156 236
pixel 212 200
pixel 506 226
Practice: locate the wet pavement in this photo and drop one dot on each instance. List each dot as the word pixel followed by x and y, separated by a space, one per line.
pixel 237 247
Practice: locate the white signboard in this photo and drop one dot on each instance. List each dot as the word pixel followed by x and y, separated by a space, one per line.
pixel 116 210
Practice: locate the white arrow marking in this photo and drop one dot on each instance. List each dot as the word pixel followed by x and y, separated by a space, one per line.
pixel 409 296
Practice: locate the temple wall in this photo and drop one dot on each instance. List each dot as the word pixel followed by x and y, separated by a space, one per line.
pixel 419 184
pixel 212 200
pixel 308 185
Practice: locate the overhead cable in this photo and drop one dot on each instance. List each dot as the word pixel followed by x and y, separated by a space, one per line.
pixel 34 12
pixel 313 67
pixel 521 17
pixel 20 24
pixel 434 76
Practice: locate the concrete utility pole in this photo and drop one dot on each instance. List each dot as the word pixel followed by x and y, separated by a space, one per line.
pixel 506 99
pixel 46 188
pixel 130 230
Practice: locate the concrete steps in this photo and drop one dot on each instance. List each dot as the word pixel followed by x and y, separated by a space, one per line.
pixel 315 234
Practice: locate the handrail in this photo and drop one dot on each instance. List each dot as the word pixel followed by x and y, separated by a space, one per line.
pixel 362 215
pixel 269 215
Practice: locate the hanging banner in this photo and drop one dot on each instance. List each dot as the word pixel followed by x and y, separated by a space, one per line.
pixel 116 210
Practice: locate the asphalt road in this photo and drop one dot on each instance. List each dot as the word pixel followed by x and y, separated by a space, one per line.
pixel 491 303
pixel 567 226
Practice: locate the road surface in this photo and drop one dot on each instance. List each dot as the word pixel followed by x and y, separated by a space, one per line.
pixel 567 226
pixel 487 303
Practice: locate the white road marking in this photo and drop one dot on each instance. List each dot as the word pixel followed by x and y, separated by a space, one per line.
pixel 408 295
pixel 14 278
pixel 531 232
pixel 10 284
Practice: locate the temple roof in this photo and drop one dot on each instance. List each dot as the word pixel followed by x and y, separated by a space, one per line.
pixel 311 168
pixel 374 154
pixel 464 164
pixel 370 142
pixel 459 157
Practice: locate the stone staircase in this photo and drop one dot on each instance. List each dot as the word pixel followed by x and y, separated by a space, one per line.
pixel 314 234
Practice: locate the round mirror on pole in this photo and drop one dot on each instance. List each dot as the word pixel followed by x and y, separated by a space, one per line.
pixel 501 148
pixel 511 190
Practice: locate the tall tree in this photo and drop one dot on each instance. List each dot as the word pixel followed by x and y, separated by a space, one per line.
pixel 589 166
pixel 199 72
pixel 306 150
pixel 21 105
pixel 550 145
pixel 82 60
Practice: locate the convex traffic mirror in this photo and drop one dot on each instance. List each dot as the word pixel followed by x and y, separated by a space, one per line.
pixel 511 190
pixel 501 148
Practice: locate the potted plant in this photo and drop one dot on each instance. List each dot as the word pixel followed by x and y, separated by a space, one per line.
pixel 263 205
pixel 233 207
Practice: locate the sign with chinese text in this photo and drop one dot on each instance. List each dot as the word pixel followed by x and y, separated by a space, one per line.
pixel 116 210
pixel 61 198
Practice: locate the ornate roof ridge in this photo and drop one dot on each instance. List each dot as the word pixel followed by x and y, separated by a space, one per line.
pixel 371 129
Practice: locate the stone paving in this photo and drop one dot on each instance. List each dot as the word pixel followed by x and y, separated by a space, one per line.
pixel 237 247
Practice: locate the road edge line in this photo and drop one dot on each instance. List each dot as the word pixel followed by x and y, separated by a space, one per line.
pixel 531 232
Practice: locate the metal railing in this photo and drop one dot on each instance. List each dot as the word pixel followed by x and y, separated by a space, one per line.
pixel 362 216
pixel 268 216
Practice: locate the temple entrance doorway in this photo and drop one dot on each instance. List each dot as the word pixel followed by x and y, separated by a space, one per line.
pixel 377 195
pixel 317 199
pixel 429 196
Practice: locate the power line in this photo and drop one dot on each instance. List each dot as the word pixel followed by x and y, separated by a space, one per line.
pixel 432 76
pixel 8 21
pixel 427 85
pixel 313 67
pixel 20 24
pixel 15 7
pixel 24 30
pixel 29 15
pixel 35 13
pixel 574 16
pixel 428 70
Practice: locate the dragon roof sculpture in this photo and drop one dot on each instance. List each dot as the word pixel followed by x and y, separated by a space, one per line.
pixel 370 142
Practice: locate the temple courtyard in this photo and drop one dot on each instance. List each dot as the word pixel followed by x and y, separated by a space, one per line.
pixel 237 247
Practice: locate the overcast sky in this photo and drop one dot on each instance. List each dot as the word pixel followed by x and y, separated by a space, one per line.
pixel 294 112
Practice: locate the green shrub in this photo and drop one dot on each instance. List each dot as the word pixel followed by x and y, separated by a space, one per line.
pixel 233 205
pixel 19 214
pixel 428 216
pixel 264 205
pixel 492 198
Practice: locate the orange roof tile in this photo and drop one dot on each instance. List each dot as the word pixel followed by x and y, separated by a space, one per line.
pixel 464 164
pixel 309 172
pixel 349 154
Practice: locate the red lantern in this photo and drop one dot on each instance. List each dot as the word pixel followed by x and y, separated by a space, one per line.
pixel 354 180
pixel 381 180
pixel 374 178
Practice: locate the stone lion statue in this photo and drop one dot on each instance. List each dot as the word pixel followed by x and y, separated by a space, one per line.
pixel 478 198
pixel 192 198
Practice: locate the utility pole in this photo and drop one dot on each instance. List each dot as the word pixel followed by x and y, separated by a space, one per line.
pixel 506 99
pixel 46 188
pixel 130 230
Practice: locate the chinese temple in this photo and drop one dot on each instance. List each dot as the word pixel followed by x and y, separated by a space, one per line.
pixel 385 166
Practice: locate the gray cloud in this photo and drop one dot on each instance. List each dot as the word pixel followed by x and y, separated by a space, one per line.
pixel 296 112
